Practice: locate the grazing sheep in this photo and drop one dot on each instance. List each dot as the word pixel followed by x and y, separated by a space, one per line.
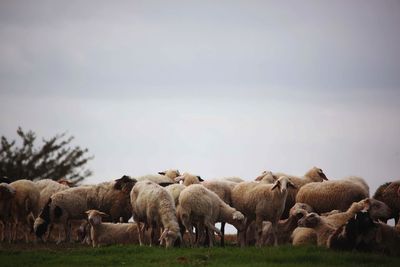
pixel 7 193
pixel 323 229
pixel 103 233
pixel 200 205
pixel 313 175
pixel 162 178
pixel 331 195
pixel 154 206
pixel 261 202
pixel 389 194
pixel 377 211
pixel 71 204
pixel 24 205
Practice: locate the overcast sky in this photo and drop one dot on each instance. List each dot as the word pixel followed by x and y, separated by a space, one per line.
pixel 216 88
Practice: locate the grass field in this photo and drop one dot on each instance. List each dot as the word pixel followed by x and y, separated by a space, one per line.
pixel 133 255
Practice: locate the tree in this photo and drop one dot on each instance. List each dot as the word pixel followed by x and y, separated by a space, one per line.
pixel 54 159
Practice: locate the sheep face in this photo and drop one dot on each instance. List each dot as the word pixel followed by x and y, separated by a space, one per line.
pixel 310 221
pixel 316 174
pixel 95 216
pixel 282 184
pixel 300 207
pixel 169 237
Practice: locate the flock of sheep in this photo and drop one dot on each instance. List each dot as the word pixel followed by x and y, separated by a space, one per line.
pixel 274 209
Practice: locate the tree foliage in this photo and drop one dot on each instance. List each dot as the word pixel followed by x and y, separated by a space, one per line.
pixel 54 159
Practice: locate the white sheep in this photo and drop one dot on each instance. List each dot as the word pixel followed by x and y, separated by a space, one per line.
pixel 261 202
pixel 332 195
pixel 71 204
pixel 200 206
pixel 154 206
pixel 103 233
pixel 319 225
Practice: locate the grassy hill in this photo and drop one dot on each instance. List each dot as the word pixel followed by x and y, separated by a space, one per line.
pixel 133 255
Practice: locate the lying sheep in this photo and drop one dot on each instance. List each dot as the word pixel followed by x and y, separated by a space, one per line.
pixel 389 194
pixel 317 223
pixel 331 195
pixel 199 205
pixel 154 206
pixel 313 175
pixel 103 233
pixel 303 236
pixel 24 207
pixel 261 202
pixel 362 233
pixel 7 194
pixel 377 211
pixel 71 204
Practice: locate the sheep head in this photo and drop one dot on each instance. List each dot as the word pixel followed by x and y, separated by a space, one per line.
pixel 316 174
pixel 282 184
pixel 189 179
pixel 95 216
pixel 172 174
pixel 300 206
pixel 169 237
pixel 378 210
pixel 238 221
pixel 310 221
pixel 125 183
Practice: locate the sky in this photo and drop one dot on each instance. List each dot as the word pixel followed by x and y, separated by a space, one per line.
pixel 214 88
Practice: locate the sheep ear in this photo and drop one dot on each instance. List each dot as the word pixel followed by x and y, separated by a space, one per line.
pixel 179 178
pixel 276 184
pixel 200 179
pixel 161 173
pixel 102 214
pixel 292 185
pixel 88 212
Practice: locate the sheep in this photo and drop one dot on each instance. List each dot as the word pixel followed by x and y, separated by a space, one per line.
pixel 7 193
pixel 313 175
pixel 331 195
pixel 362 233
pixel 24 205
pixel 389 194
pixel 303 236
pixel 377 210
pixel 154 206
pixel 260 201
pixel 163 178
pixel 71 204
pixel 103 233
pixel 198 204
pixel 323 229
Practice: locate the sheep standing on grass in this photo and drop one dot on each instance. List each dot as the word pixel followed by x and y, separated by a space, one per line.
pixel 103 233
pixel 24 207
pixel 261 202
pixel 389 194
pixel 154 206
pixel 200 206
pixel 7 194
pixel 331 195
pixel 71 204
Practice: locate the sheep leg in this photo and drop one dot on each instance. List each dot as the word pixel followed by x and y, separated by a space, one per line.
pixel 141 233
pixel 222 234
pixel 188 226
pixel 210 237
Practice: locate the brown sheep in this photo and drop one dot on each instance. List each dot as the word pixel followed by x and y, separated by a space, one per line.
pixel 389 194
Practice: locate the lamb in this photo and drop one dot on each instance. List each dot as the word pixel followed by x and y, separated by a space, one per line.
pixel 389 194
pixel 103 233
pixel 71 204
pixel 313 175
pixel 154 206
pixel 24 205
pixel 377 211
pixel 200 205
pixel 331 195
pixel 7 194
pixel 322 229
pixel 261 202
pixel 162 178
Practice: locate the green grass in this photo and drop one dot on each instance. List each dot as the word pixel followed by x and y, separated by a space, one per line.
pixel 134 255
